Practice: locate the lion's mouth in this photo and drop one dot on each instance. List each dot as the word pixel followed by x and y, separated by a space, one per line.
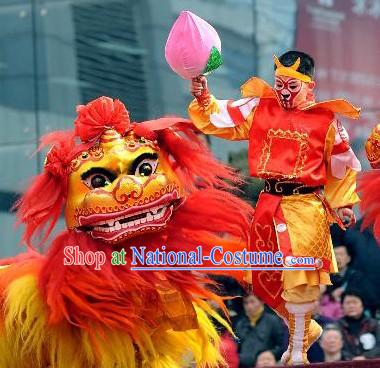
pixel 151 216
pixel 117 226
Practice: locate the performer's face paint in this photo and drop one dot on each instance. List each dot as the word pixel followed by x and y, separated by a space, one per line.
pixel 291 92
pixel 120 188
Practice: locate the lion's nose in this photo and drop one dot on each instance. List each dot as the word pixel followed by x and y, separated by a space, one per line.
pixel 127 188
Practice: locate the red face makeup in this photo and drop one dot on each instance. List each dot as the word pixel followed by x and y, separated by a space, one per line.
pixel 287 91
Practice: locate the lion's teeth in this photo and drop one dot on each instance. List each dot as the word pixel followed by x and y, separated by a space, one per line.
pixel 154 213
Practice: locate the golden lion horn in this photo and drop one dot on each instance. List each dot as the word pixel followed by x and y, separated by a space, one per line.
pixel 294 66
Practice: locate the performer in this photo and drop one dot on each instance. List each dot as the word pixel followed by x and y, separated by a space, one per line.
pixel 121 184
pixel 302 152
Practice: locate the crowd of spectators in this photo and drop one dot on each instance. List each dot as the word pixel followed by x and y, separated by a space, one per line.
pixel 348 311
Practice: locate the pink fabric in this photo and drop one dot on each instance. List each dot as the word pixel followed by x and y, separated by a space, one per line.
pixel 189 45
pixel 330 308
pixel 341 160
pixel 229 351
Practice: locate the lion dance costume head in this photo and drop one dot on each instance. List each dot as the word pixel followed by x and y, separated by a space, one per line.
pixel 369 184
pixel 119 184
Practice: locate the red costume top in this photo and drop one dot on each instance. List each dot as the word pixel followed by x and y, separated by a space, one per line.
pixel 289 147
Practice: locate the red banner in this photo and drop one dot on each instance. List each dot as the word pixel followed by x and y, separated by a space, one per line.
pixel 343 38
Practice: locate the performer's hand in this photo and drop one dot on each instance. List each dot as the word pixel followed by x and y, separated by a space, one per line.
pixel 198 85
pixel 347 216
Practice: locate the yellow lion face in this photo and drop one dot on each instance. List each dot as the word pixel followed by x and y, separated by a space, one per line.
pixel 120 188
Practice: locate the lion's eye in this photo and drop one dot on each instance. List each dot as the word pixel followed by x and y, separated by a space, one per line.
pixel 98 181
pixel 146 167
pixel 97 177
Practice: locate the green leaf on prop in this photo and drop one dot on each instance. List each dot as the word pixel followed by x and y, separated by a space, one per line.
pixel 214 61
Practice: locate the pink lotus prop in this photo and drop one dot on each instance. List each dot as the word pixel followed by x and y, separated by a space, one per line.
pixel 193 47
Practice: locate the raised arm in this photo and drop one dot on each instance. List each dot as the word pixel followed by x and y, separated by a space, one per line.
pixel 222 118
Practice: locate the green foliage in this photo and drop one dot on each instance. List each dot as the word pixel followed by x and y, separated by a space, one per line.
pixel 214 61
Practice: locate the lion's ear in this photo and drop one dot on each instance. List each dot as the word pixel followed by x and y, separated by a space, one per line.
pixel 42 202
pixel 41 206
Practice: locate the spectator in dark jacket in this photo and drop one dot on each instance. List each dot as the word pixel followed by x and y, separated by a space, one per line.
pixel 361 334
pixel 365 258
pixel 348 278
pixel 258 331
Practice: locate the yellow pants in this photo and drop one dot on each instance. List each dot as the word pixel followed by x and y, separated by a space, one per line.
pixel 308 225
pixel 301 294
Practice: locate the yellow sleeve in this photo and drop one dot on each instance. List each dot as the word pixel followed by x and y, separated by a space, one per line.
pixel 339 192
pixel 201 119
